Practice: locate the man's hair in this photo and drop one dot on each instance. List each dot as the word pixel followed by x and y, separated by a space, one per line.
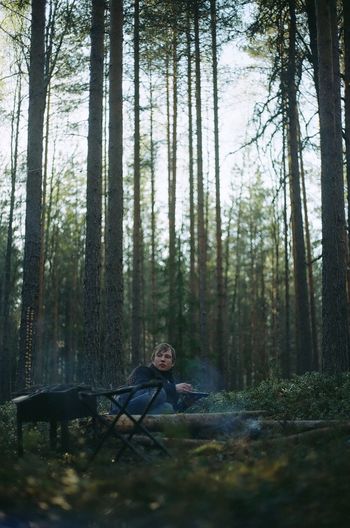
pixel 164 347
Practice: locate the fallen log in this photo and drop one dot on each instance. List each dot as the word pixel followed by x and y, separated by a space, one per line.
pixel 247 424
pixel 204 425
pixel 210 445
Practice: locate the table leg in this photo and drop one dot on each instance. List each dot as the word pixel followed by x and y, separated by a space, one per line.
pixel 19 435
pixel 64 436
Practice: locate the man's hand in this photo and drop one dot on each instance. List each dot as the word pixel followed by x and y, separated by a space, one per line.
pixel 183 387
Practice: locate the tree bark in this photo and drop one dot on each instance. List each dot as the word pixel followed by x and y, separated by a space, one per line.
pixel 302 318
pixel 41 324
pixel 346 17
pixel 92 279
pixel 69 316
pixel 7 357
pixel 285 363
pixel 202 235
pixel 310 275
pixel 233 424
pixel 32 243
pixel 154 288
pixel 235 366
pixel 220 333
pixel 335 341
pixel 114 361
pixel 192 277
pixel 194 424
pixel 172 203
pixel 137 250
pixel 52 373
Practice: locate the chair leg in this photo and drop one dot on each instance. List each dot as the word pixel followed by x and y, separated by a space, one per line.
pixel 111 426
pixel 139 427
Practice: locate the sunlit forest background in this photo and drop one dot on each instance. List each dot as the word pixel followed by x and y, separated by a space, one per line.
pixel 160 176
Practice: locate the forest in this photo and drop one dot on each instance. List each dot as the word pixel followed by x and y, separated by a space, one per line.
pixel 115 233
pixel 178 171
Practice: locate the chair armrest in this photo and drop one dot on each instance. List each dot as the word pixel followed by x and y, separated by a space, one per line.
pixel 122 390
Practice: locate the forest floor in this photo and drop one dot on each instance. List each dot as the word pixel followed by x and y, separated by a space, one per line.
pixel 297 481
pixel 243 483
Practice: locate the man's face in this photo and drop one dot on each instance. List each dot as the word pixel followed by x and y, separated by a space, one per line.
pixel 163 360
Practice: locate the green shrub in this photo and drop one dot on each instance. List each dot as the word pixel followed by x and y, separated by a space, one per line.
pixel 8 442
pixel 311 396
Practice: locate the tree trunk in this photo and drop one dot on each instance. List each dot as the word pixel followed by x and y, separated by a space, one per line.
pixel 310 7
pixel 310 276
pixel 260 358
pixel 70 317
pixel 114 361
pixel 219 342
pixel 235 373
pixel 302 319
pixel 202 235
pixel 335 343
pixel 40 359
pixel 32 243
pixel 137 251
pixel 195 423
pixel 286 353
pixel 284 358
pixel 192 278
pixel 53 356
pixel 346 16
pixel 154 292
pixel 92 278
pixel 168 134
pixel 252 292
pixel 172 205
pixel 275 292
pixel 7 356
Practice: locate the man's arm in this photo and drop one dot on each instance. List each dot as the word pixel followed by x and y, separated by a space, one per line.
pixel 141 374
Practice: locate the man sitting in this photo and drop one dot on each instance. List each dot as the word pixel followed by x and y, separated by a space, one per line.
pixel 160 369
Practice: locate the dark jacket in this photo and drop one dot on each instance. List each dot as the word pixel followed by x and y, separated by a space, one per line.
pixel 143 374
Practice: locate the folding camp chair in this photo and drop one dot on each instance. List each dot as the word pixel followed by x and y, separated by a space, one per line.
pixel 112 425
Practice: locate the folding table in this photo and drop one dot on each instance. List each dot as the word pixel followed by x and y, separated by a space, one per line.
pixel 55 404
pixel 111 395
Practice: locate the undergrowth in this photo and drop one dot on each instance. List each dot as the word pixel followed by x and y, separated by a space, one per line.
pixel 239 483
pixel 311 396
